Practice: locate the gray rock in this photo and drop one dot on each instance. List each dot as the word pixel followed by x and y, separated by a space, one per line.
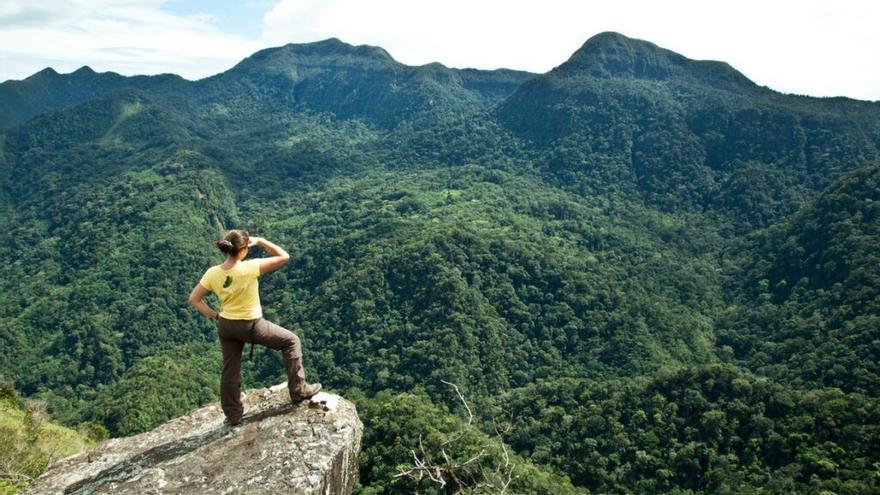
pixel 310 448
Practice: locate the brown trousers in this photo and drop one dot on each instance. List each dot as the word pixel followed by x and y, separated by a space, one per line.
pixel 233 336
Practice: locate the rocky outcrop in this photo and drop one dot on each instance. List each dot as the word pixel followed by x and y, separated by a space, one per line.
pixel 310 448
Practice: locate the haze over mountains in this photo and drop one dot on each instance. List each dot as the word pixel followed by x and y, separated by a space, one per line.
pixel 651 236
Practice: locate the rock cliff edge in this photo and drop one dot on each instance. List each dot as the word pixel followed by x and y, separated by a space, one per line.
pixel 309 448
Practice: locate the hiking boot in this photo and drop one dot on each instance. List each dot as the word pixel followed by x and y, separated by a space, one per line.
pixel 235 424
pixel 307 391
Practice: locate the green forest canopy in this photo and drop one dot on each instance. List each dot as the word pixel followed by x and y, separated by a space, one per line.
pixel 570 246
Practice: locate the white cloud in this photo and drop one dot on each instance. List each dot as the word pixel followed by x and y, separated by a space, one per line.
pixel 809 47
pixel 126 36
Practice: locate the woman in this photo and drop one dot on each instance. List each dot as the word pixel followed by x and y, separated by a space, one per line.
pixel 235 282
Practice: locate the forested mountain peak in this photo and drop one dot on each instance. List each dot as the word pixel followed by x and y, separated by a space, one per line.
pixel 329 52
pixel 611 54
pixel 686 133
pixel 358 82
pixel 335 53
pixel 48 90
pixel 335 46
pixel 85 69
pixel 47 73
pixel 48 79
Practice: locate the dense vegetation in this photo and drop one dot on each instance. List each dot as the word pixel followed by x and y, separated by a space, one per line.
pixel 715 429
pixel 456 457
pixel 809 295
pixel 30 441
pixel 577 251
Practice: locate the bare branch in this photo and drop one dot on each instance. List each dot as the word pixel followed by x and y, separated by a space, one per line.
pixel 477 477
pixel 470 414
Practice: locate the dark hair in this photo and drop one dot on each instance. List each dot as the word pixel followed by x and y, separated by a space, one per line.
pixel 233 242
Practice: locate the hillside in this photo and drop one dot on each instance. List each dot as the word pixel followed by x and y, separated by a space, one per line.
pixel 712 429
pixel 809 293
pixel 30 441
pixel 628 213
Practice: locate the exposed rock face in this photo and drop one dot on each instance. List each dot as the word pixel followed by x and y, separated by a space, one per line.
pixel 310 448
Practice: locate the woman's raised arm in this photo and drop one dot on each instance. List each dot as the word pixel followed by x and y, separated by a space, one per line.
pixel 278 258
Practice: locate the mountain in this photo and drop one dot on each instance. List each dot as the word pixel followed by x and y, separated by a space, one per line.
pixel 612 55
pixel 327 76
pixel 628 213
pixel 684 133
pixel 48 90
pixel 358 82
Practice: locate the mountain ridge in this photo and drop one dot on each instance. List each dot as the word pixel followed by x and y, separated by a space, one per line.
pixel 604 55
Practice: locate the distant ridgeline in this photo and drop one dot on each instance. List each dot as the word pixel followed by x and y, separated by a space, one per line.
pixel 644 273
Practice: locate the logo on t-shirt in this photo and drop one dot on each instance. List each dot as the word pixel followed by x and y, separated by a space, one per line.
pixel 228 281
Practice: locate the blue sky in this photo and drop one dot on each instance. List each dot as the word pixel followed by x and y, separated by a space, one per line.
pixel 813 47
pixel 241 17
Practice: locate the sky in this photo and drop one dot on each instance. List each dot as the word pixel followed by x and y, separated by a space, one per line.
pixel 817 48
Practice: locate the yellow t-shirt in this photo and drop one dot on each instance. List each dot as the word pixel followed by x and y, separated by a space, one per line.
pixel 237 289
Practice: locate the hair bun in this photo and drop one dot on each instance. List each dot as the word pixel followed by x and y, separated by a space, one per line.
pixel 223 245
